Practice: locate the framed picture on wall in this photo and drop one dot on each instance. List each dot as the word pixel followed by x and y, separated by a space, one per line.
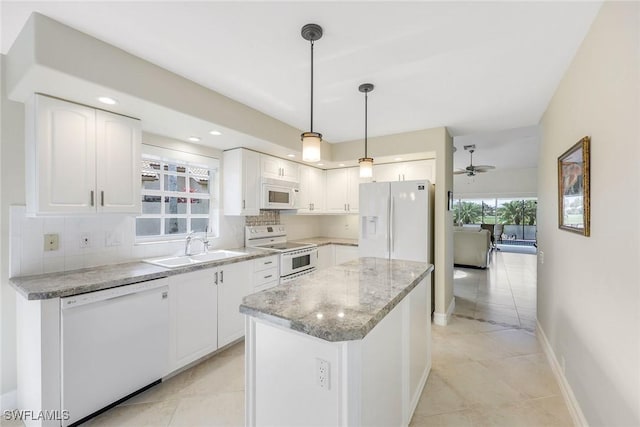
pixel 573 188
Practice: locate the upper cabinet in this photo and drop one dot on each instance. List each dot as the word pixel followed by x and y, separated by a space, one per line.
pixel 80 160
pixel 241 180
pixel 312 194
pixel 276 168
pixel 405 171
pixel 342 187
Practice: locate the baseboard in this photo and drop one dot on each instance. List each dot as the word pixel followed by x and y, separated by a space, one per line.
pixel 442 319
pixel 570 399
pixel 9 400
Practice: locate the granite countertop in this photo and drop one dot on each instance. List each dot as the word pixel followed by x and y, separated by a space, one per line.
pixel 321 241
pixel 67 283
pixel 340 303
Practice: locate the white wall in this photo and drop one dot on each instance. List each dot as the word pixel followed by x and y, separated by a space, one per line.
pixel 498 183
pixel 343 226
pixel 589 287
pixel 301 226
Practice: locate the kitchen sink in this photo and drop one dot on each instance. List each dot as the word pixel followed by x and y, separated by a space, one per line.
pixel 182 261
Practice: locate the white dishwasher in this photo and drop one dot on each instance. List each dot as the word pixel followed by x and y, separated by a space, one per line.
pixel 114 342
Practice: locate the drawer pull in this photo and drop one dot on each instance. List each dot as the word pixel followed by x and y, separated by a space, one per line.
pixel 266 277
pixel 268 262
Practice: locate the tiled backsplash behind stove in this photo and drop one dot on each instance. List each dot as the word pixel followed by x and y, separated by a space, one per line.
pixel 266 217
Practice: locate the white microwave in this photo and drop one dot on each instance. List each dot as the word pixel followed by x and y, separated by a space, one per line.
pixel 279 194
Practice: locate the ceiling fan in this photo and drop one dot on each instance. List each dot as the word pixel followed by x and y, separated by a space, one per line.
pixel 472 169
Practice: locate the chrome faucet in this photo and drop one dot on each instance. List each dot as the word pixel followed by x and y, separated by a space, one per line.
pixel 191 237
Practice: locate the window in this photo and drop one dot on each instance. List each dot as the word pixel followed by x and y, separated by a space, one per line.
pixel 178 193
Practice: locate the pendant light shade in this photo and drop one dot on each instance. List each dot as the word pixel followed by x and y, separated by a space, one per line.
pixel 366 163
pixel 311 141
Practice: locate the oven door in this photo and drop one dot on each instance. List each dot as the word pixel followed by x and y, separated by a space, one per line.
pixel 278 197
pixel 296 261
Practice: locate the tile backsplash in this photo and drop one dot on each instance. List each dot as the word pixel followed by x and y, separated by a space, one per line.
pixel 266 217
pixel 111 240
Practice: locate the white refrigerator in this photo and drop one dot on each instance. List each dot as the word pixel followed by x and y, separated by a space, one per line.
pixel 395 220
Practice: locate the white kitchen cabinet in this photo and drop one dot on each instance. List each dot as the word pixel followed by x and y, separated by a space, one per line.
pixel 80 160
pixel 193 317
pixel 265 273
pixel 345 253
pixel 405 171
pixel 312 194
pixel 276 168
pixel 235 281
pixel 241 181
pixel 326 256
pixel 342 190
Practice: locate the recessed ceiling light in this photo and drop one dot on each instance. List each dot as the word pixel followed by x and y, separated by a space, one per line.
pixel 193 139
pixel 320 164
pixel 107 100
pixel 215 132
pixel 291 155
pixel 397 159
pixel 341 164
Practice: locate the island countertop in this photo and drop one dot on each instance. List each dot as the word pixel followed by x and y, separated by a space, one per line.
pixel 340 303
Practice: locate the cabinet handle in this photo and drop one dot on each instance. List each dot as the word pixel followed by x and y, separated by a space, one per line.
pixel 222 277
pixel 102 198
pixel 243 204
pixel 215 281
pixel 268 262
pixel 91 197
pixel 266 277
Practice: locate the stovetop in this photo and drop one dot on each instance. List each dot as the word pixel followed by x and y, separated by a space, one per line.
pixel 287 246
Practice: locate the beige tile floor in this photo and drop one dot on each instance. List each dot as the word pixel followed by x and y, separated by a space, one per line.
pixel 484 373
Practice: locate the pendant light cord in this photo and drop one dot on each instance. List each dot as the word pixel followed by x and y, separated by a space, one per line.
pixel 311 130
pixel 366 97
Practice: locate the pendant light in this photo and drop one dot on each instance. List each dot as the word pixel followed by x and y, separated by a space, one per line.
pixel 366 163
pixel 311 140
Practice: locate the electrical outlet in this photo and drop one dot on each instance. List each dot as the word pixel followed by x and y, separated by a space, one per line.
pixel 322 373
pixel 51 242
pixel 541 257
pixel 85 240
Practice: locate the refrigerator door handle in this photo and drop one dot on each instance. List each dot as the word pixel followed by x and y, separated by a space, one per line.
pixel 391 226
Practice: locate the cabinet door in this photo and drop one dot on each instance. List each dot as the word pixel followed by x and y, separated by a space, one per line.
pixel 61 158
pixel 386 173
pixel 193 316
pixel 290 171
pixel 345 253
pixel 235 281
pixel 421 169
pixel 336 190
pixel 306 189
pixel 118 163
pixel 326 257
pixel 354 189
pixel 317 177
pixel 270 167
pixel 250 183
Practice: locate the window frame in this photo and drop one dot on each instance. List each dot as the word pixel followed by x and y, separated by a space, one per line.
pixel 188 160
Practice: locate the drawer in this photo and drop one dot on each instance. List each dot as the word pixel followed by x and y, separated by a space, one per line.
pixel 265 276
pixel 265 263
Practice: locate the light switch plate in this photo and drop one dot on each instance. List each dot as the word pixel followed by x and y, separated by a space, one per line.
pixel 51 242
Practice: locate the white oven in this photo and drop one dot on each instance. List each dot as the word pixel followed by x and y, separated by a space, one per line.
pixel 279 194
pixel 298 261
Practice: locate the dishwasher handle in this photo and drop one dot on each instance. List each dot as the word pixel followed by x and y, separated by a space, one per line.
pixel 112 293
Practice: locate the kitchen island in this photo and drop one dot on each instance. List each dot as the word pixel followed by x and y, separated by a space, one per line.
pixel 344 346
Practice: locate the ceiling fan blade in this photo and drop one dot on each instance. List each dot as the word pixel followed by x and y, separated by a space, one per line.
pixel 478 167
pixel 460 172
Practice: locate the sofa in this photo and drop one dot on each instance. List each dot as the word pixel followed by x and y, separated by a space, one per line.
pixel 471 247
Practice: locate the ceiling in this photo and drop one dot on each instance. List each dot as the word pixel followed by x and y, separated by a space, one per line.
pixel 477 68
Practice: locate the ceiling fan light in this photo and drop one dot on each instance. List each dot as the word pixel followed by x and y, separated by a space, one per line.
pixel 366 167
pixel 311 142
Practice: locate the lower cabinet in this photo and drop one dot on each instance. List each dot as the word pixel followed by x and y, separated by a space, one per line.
pixel 235 281
pixel 193 317
pixel 326 257
pixel 204 312
pixel 345 253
